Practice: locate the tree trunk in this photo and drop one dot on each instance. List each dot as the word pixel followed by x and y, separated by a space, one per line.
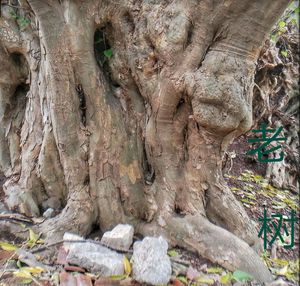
pixel 137 137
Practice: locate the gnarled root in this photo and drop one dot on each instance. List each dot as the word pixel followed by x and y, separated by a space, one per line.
pixel 77 217
pixel 226 211
pixel 196 233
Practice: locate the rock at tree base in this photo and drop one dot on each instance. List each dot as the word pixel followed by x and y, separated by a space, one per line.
pixel 69 237
pixel 150 262
pixel 120 238
pixel 49 213
pixel 96 258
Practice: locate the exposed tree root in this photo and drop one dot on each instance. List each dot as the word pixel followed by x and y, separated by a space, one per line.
pixel 77 217
pixel 196 233
pixel 227 212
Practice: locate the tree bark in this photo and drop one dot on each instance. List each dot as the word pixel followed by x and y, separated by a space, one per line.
pixel 138 137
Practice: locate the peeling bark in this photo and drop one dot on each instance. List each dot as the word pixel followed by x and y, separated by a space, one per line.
pixel 138 137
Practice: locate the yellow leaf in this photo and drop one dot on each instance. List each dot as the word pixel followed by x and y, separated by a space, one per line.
pixel 204 280
pixel 215 270
pixel 22 274
pixel 283 271
pixel 258 178
pixel 118 277
pixel 127 266
pixel 34 239
pixel 7 246
pixel 280 262
pixel 33 236
pixel 173 253
pixel 225 279
pixel 33 270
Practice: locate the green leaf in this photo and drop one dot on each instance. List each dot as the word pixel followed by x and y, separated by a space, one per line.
pixel 281 24
pixel 242 276
pixel 118 277
pixel 274 38
pixel 34 239
pixel 225 279
pixel 7 246
pixel 23 22
pixel 33 236
pixel 183 279
pixel 26 281
pixel 297 10
pixel 99 41
pixel 13 14
pixel 108 53
pixel 294 21
pixel 284 53
pixel 173 253
pixel 217 270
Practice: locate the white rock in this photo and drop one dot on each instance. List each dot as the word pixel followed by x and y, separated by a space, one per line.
pixel 150 261
pixel 70 236
pixel 120 238
pixel 48 213
pixel 96 258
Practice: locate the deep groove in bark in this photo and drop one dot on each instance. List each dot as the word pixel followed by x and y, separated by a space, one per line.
pixel 129 21
pixel 102 44
pixel 18 59
pixel 82 103
pixel 149 172
pixel 190 35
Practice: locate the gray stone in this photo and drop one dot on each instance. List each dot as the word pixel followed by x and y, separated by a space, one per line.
pixel 11 264
pixel 70 237
pixel 53 203
pixel 150 261
pixel 29 259
pixel 96 258
pixel 3 209
pixel 48 213
pixel 120 238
